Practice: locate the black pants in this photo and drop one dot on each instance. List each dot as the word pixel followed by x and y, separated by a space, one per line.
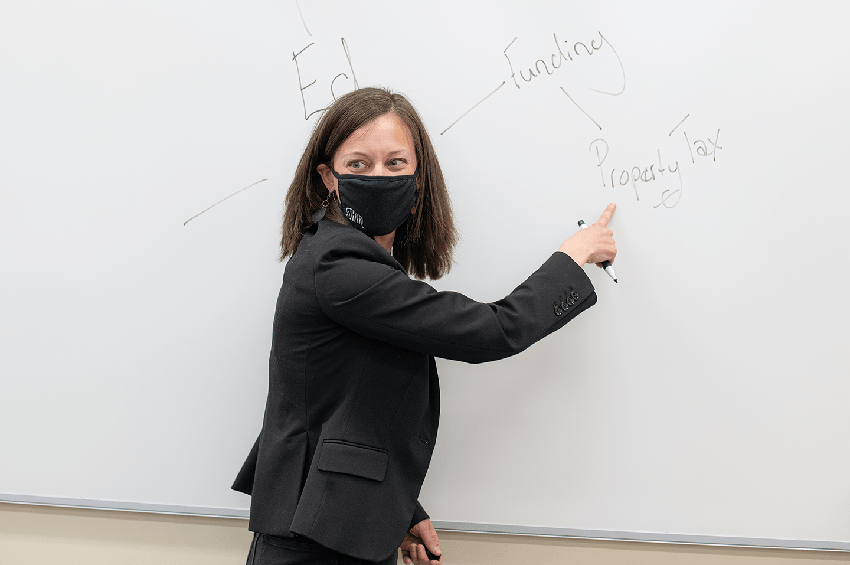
pixel 274 550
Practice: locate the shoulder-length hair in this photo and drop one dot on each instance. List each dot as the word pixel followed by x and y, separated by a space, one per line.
pixel 425 242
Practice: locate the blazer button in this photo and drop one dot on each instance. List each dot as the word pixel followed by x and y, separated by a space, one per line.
pixel 558 311
pixel 574 295
pixel 565 306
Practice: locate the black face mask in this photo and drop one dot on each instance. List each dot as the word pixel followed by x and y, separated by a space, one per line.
pixel 376 205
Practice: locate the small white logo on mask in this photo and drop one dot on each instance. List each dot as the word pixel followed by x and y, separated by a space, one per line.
pixel 353 216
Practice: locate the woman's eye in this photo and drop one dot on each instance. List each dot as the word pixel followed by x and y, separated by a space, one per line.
pixel 356 165
pixel 396 163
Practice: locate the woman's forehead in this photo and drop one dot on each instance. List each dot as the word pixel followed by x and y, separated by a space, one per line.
pixel 387 133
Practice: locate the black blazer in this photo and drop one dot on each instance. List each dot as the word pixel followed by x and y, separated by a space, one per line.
pixel 353 404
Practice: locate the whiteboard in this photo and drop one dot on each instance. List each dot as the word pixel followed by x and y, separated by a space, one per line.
pixel 145 150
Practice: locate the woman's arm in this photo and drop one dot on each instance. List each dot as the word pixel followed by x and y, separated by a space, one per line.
pixel 359 287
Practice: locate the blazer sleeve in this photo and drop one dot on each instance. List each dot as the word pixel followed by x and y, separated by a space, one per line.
pixel 419 514
pixel 358 287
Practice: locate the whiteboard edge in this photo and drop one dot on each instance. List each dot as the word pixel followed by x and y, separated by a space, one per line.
pixel 643 537
pixel 122 506
pixel 465 527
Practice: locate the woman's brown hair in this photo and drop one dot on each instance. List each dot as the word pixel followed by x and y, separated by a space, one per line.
pixel 425 242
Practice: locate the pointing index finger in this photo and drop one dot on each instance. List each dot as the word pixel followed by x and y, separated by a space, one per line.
pixel 606 215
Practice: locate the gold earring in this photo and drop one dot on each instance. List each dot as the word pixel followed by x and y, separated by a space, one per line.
pixel 320 213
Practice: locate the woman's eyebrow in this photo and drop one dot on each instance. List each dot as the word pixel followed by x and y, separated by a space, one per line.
pixel 355 154
pixel 367 155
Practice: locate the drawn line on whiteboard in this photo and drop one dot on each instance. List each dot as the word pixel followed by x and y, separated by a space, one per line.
pixel 222 200
pixel 622 70
pixel 677 125
pixel 302 18
pixel 471 109
pixel 688 141
pixel 350 66
pixel 303 88
pixel 580 108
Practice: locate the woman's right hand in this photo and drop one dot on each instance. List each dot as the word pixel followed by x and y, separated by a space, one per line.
pixel 594 244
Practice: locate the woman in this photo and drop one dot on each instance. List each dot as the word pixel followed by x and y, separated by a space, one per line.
pixel 353 404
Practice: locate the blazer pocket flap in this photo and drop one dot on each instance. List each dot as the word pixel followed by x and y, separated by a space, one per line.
pixel 353 459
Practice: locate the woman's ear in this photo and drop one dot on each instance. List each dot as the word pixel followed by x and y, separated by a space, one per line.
pixel 327 177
